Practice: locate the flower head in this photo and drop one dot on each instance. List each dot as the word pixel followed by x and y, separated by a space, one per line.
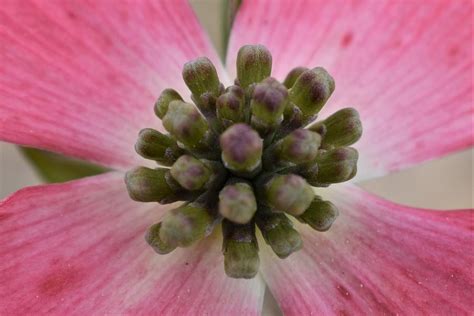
pixel 244 158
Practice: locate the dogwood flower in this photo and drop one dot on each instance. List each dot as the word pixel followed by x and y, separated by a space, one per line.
pixel 81 79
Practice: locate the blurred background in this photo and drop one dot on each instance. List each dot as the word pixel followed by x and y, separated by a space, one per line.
pixel 440 184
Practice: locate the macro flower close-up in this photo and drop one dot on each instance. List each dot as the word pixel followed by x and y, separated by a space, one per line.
pixel 217 180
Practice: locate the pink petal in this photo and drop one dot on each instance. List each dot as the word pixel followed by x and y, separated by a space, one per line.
pixel 78 248
pixel 405 65
pixel 378 258
pixel 81 78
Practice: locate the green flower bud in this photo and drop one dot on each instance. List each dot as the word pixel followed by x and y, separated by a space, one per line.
pixel 154 145
pixel 237 202
pixel 278 232
pixel 153 185
pixel 334 166
pixel 240 250
pixel 166 97
pixel 311 91
pixel 293 75
pixel 200 76
pixel 288 193
pixel 268 102
pixel 230 106
pixel 254 63
pixel 152 237
pixel 190 173
pixel 343 128
pixel 299 146
pixel 320 214
pixel 186 124
pixel 185 225
pixel 241 150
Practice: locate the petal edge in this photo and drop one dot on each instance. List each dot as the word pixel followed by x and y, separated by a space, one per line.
pixel 406 66
pixel 81 78
pixel 379 257
pixel 78 248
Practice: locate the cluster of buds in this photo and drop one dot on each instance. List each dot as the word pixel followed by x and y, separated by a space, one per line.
pixel 245 156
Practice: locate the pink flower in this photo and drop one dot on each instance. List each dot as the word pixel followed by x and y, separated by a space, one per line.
pixel 80 78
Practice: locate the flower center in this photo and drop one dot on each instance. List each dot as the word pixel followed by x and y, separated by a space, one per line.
pixel 245 156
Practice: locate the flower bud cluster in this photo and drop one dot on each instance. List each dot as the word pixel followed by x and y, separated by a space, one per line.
pixel 244 157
